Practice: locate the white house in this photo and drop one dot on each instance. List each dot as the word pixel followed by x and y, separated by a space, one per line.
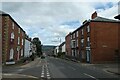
pixel 63 47
pixel 56 50
pixel 27 48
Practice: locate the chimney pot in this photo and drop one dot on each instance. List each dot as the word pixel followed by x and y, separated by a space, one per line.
pixel 94 15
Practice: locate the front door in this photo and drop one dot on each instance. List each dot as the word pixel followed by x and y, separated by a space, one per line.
pixel 88 56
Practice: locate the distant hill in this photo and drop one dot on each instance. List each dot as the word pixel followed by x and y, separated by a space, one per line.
pixel 48 49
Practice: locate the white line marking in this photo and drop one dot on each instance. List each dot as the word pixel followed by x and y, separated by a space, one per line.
pixel 20 69
pixel 90 76
pixel 42 75
pixel 48 75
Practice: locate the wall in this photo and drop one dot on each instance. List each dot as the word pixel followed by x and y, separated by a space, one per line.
pixel 104 41
pixel 27 48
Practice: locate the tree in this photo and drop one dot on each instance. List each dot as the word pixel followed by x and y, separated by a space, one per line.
pixel 37 42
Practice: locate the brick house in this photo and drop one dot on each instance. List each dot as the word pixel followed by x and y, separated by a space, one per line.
pixel 12 39
pixel 68 45
pixel 96 40
pixel 0 40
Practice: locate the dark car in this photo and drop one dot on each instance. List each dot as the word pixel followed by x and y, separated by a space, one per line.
pixel 42 57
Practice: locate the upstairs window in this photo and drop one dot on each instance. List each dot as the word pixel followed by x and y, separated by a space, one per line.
pixel 74 35
pixel 18 30
pixel 82 42
pixel 22 41
pixel 18 40
pixel 13 25
pixel 82 32
pixel 77 33
pixel 12 35
pixel 88 28
pixel 71 36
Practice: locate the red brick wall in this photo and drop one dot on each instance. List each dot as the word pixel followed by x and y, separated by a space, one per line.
pixel 104 41
pixel 16 34
pixel 0 39
pixel 68 44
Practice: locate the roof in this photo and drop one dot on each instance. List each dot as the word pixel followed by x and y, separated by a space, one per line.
pixel 5 14
pixel 117 17
pixel 61 44
pixel 101 19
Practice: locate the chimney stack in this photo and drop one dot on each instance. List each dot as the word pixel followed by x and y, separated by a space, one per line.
pixel 94 15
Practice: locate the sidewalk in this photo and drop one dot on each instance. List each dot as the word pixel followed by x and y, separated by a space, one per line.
pixel 111 67
pixel 32 63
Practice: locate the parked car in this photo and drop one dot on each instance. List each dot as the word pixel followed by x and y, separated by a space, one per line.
pixel 42 57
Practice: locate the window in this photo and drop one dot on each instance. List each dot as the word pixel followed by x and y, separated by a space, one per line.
pixel 77 42
pixel 74 35
pixel 72 53
pixel 77 33
pixel 88 38
pixel 73 43
pixel 71 36
pixel 13 25
pixel 82 31
pixel 22 41
pixel 82 42
pixel 11 53
pixel 12 35
pixel 21 52
pixel 18 30
pixel 88 41
pixel 88 28
pixel 18 40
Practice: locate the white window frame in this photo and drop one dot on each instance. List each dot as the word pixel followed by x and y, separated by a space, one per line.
pixel 88 28
pixel 22 41
pixel 18 40
pixel 13 25
pixel 12 35
pixel 18 30
pixel 88 39
pixel 82 31
pixel 77 42
pixel 77 34
pixel 71 36
pixel 82 40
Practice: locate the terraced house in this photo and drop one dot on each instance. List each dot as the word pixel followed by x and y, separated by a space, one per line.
pixel 95 41
pixel 12 40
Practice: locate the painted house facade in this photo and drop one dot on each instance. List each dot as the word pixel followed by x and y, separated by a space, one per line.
pixel 27 48
pixel 95 41
pixel 12 39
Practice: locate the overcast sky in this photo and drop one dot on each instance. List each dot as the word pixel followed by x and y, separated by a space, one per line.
pixel 53 20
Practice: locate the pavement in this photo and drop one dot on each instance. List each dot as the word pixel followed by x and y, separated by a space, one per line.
pixel 110 67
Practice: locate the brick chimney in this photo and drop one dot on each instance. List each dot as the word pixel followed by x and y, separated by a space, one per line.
pixel 94 15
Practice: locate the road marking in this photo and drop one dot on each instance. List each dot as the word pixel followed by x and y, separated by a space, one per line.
pixel 20 69
pixel 90 76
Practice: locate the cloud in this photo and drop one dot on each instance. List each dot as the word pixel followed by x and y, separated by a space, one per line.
pixel 52 20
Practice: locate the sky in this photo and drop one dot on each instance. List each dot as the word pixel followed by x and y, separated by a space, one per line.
pixel 51 21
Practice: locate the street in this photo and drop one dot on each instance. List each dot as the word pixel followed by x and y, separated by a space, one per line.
pixel 52 68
